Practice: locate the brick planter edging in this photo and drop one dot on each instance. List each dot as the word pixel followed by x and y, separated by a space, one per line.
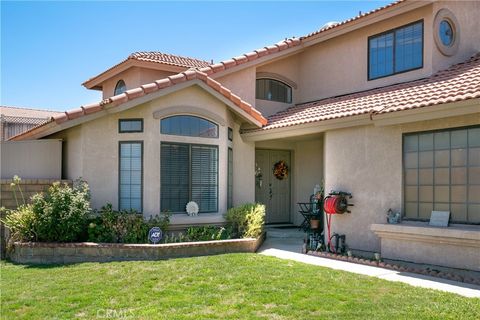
pixel 60 253
pixel 381 264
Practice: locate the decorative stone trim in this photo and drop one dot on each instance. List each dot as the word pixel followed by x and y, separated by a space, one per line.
pixel 59 253
pixel 400 268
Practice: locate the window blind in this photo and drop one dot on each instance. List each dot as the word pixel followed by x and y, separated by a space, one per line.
pixel 189 173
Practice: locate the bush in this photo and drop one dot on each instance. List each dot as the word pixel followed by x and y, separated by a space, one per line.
pixel 112 226
pixel 58 215
pixel 206 233
pixel 246 221
pixel 21 223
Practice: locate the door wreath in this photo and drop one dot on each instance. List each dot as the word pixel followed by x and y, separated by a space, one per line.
pixel 280 170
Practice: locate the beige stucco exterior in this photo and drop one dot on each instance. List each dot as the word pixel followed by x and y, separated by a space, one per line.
pixel 15 159
pixel 367 161
pixel 91 151
pixel 338 65
pixel 358 154
pixel 133 78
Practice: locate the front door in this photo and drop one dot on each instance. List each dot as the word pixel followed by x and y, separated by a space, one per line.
pixel 271 190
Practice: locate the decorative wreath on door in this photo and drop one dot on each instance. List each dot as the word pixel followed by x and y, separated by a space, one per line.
pixel 280 170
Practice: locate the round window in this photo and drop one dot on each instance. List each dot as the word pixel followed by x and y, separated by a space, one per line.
pixel 446 33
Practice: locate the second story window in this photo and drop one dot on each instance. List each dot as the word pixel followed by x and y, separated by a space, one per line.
pixel 395 51
pixel 273 90
pixel 120 87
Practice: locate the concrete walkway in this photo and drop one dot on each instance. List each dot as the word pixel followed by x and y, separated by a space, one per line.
pixel 287 244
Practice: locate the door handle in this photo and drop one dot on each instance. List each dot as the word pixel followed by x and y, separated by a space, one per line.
pixel 270 190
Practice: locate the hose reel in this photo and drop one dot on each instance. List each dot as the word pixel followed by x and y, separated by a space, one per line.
pixel 336 203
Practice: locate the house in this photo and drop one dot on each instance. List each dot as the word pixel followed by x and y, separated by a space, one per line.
pixel 385 105
pixel 14 120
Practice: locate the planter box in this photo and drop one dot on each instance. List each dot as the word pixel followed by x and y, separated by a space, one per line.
pixel 55 253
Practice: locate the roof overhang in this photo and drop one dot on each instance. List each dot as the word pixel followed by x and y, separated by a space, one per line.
pixel 54 127
pixel 307 41
pixel 368 19
pixel 441 111
pixel 95 83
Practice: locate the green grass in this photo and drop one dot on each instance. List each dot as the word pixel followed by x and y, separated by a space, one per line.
pixel 233 286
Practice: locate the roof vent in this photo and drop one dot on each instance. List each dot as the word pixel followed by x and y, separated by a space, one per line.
pixel 329 24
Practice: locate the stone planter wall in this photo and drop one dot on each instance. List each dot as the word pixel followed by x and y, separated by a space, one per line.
pixel 59 253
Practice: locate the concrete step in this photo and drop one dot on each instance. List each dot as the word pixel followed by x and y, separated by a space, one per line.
pixel 285 233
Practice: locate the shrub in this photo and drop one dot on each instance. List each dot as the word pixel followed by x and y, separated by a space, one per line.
pixel 206 233
pixel 21 223
pixel 247 220
pixel 58 215
pixel 123 226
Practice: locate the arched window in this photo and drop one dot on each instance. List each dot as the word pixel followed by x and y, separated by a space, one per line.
pixel 120 87
pixel 189 126
pixel 273 90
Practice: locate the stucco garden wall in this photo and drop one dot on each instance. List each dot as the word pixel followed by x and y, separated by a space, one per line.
pixel 367 161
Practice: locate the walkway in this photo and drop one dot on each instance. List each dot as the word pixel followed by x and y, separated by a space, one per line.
pixel 287 244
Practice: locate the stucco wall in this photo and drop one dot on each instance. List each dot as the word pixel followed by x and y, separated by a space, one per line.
pixel 133 77
pixel 466 12
pixel 340 65
pixel 92 151
pixel 367 161
pixel 242 83
pixel 31 159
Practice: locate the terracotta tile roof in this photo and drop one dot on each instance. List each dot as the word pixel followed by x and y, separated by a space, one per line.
pixel 20 112
pixel 359 16
pixel 165 58
pixel 143 90
pixel 250 56
pixel 283 45
pixel 457 83
pixel 157 57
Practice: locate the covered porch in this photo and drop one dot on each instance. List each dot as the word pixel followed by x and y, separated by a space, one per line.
pixel 302 157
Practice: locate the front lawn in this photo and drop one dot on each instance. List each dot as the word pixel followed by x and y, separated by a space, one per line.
pixel 233 286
